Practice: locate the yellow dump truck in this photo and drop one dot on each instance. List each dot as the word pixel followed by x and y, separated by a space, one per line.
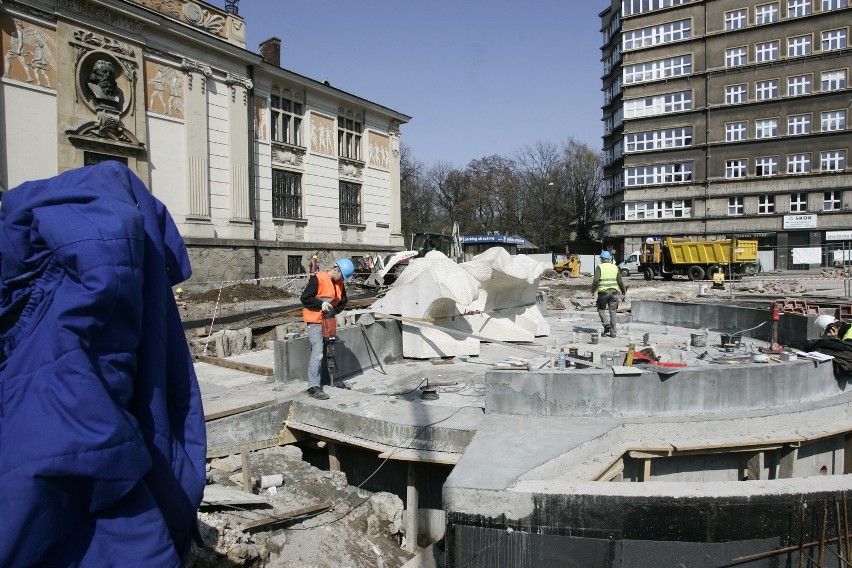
pixel 697 260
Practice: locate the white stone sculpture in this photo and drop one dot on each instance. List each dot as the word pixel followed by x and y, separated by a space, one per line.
pixel 491 296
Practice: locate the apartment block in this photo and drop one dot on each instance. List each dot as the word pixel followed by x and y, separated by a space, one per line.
pixel 728 117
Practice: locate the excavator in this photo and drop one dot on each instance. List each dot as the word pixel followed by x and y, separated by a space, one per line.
pixel 387 270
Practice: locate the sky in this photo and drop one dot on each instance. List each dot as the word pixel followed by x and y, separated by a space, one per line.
pixel 478 77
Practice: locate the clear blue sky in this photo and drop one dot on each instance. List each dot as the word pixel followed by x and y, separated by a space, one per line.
pixel 478 77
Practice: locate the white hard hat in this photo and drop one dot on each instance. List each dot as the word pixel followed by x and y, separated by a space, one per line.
pixel 823 321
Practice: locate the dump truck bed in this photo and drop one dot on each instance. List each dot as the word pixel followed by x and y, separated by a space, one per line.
pixel 687 251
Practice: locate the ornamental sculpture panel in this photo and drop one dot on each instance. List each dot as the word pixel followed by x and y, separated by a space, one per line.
pixel 379 153
pixel 164 89
pixel 322 135
pixel 29 51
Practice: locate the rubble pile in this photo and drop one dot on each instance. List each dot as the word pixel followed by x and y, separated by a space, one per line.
pixel 358 528
pixel 837 272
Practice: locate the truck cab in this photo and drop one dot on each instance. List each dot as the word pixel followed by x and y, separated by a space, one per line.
pixel 630 265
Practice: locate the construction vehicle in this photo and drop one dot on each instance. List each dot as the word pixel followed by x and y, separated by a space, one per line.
pixel 387 269
pixel 697 260
pixel 569 267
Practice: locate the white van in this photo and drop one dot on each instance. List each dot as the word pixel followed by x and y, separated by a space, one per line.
pixel 630 265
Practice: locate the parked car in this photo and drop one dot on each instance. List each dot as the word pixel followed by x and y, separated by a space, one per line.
pixel 630 265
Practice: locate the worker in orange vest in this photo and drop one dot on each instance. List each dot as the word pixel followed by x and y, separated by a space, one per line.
pixel 324 297
pixel 313 266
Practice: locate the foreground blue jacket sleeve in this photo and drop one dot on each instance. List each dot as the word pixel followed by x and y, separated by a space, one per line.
pixel 102 440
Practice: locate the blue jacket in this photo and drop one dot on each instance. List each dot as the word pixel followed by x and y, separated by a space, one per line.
pixel 102 440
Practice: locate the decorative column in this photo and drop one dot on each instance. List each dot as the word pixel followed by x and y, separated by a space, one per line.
pixel 238 150
pixel 394 188
pixel 197 153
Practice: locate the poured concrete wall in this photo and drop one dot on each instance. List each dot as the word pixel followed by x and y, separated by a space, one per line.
pixel 793 329
pixel 358 347
pixel 706 389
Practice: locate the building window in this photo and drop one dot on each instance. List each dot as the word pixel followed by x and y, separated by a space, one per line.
pixel 736 56
pixel 348 138
pixel 286 120
pixel 673 209
pixel 798 163
pixel 832 161
pixel 658 139
pixel 798 202
pixel 798 124
pixel 660 104
pixel 833 80
pixel 286 195
pixel 656 35
pixel 798 85
pixel 735 20
pixel 765 204
pixel 766 14
pixel 798 8
pixel 834 4
pixel 766 51
pixel 799 45
pixel 736 131
pixel 735 205
pixel 632 7
pixel 831 200
pixel 659 174
pixel 765 90
pixel 834 39
pixel 766 166
pixel 735 168
pixel 735 94
pixel 659 69
pixel 766 128
pixel 350 203
pixel 833 120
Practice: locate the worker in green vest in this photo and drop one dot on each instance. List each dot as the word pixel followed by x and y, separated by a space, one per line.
pixel 607 284
pixel 833 328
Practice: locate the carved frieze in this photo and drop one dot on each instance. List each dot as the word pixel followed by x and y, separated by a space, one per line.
pixel 201 17
pixel 261 118
pixel 164 89
pixel 379 155
pixel 350 169
pixel 29 51
pixel 288 156
pixel 101 14
pixel 322 135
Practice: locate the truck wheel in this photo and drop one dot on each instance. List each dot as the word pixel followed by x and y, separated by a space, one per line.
pixel 695 272
pixel 625 272
pixel 713 270
pixel 649 274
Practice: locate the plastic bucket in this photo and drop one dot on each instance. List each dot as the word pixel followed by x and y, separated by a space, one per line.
pixel 699 339
pixel 703 289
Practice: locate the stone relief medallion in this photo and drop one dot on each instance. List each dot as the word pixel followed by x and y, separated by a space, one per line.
pixel 164 88
pixel 379 153
pixel 261 120
pixel 103 83
pixel 29 51
pixel 322 135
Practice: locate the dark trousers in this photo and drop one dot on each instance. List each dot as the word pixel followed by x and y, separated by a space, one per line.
pixel 608 300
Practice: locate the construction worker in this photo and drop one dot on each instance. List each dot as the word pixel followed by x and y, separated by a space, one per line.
pixel 324 297
pixel 314 266
pixel 829 327
pixel 607 284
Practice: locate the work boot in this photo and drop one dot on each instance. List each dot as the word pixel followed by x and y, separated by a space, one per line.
pixel 317 393
pixel 612 333
pixel 341 385
pixel 607 332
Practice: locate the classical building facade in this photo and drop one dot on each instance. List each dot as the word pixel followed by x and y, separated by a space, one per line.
pixel 259 166
pixel 728 117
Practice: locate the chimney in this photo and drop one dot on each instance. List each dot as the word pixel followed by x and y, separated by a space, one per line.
pixel 270 50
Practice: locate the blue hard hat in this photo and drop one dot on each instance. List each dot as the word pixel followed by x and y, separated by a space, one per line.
pixel 346 267
pixel 606 255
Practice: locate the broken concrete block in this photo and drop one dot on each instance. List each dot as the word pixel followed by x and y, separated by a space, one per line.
pixel 274 480
pixel 228 464
pixel 385 514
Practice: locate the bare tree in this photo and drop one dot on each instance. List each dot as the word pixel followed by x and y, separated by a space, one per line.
pixel 547 211
pixel 418 200
pixel 451 193
pixel 584 175
pixel 492 185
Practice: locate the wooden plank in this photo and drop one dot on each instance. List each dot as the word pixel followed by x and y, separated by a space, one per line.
pixel 236 365
pixel 219 495
pixel 244 454
pixel 616 468
pixel 224 407
pixel 333 462
pixel 425 456
pixel 289 516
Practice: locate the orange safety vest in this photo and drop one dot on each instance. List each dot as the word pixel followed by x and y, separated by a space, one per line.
pixel 328 291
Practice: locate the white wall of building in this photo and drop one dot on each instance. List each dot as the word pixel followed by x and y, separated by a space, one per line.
pixel 167 159
pixel 217 109
pixel 29 120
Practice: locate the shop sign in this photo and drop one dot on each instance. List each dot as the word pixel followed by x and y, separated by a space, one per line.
pixel 838 235
pixel 800 221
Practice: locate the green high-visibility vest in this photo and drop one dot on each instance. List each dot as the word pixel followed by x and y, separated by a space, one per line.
pixel 609 277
